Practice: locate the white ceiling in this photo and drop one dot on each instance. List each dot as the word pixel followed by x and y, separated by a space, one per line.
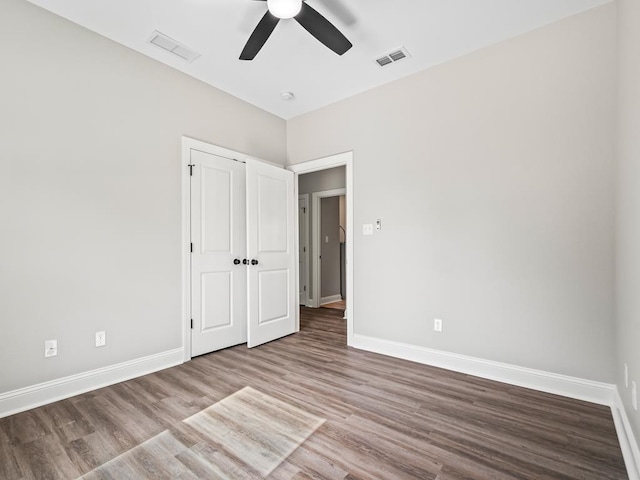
pixel 433 31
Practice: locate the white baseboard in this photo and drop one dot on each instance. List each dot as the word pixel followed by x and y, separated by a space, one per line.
pixel 33 396
pixel 330 299
pixel 588 390
pixel 627 440
pixel 572 387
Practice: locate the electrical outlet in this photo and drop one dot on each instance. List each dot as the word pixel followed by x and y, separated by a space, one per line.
pixel 101 339
pixel 50 348
pixel 437 325
pixel 626 375
pixel 634 396
pixel 367 229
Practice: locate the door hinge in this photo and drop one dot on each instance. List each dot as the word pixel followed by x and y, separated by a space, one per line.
pixel 304 249
pixel 304 288
pixel 192 248
pixel 191 169
pixel 304 209
pixel 192 323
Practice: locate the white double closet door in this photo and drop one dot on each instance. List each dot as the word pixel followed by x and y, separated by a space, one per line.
pixel 243 258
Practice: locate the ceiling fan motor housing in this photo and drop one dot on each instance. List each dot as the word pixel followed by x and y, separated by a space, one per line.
pixel 284 8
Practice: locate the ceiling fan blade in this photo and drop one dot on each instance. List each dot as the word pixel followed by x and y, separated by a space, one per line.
pixel 322 29
pixel 340 11
pixel 259 36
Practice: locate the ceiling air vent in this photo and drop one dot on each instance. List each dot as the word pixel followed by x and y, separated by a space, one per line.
pixel 394 56
pixel 170 45
pixel 382 61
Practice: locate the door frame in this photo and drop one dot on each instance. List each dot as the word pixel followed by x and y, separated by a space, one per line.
pixel 188 144
pixel 304 256
pixel 316 235
pixel 341 159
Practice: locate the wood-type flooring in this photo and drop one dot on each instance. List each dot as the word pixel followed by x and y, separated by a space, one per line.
pixel 372 417
pixel 339 305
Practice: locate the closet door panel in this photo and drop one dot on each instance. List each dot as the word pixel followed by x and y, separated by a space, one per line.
pixel 218 234
pixel 271 238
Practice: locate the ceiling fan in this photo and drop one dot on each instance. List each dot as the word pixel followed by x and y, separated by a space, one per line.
pixel 310 19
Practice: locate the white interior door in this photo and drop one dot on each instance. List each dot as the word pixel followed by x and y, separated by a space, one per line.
pixel 218 235
pixel 272 296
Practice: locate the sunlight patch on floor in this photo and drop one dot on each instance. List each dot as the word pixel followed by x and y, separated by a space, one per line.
pixel 259 429
pixel 247 431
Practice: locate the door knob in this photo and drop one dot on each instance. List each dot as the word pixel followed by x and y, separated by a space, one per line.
pixel 254 262
pixel 245 262
pixel 236 261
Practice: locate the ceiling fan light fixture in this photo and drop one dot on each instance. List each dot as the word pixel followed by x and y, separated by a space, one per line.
pixel 284 8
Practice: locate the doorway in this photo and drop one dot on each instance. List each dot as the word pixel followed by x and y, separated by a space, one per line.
pixel 344 160
pixel 304 249
pixel 326 244
pixel 333 243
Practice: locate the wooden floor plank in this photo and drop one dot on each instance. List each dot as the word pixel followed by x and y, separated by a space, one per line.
pixel 383 418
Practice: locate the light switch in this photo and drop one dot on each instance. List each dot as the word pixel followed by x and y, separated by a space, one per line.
pixel 50 348
pixel 367 229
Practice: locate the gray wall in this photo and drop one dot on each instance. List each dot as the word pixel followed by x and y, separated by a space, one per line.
pixel 330 246
pixel 343 218
pixel 329 179
pixel 628 214
pixel 90 196
pixel 493 177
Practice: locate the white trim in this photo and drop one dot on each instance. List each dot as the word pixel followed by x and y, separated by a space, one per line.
pixel 47 392
pixel 341 159
pixel 564 385
pixel 580 389
pixel 316 233
pixel 324 163
pixel 185 255
pixel 296 248
pixel 627 439
pixel 304 256
pixel 330 299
